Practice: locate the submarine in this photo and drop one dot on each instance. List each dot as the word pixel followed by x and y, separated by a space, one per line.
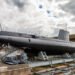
pixel 35 44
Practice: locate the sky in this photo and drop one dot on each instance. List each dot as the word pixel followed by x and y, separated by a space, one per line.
pixel 38 17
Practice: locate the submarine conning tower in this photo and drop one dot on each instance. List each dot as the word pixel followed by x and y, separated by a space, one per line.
pixel 63 35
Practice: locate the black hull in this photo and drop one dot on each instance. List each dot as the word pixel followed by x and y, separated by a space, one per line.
pixel 51 46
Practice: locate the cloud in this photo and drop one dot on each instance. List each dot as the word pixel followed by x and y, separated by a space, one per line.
pixel 18 3
pixel 25 15
pixel 69 7
pixel 73 19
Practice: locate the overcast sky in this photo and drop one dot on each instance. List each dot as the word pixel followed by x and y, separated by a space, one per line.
pixel 69 8
pixel 37 16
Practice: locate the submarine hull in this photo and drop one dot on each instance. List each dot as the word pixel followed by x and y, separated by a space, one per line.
pixel 37 44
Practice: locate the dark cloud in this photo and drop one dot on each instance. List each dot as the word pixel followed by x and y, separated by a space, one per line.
pixel 18 3
pixel 69 7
